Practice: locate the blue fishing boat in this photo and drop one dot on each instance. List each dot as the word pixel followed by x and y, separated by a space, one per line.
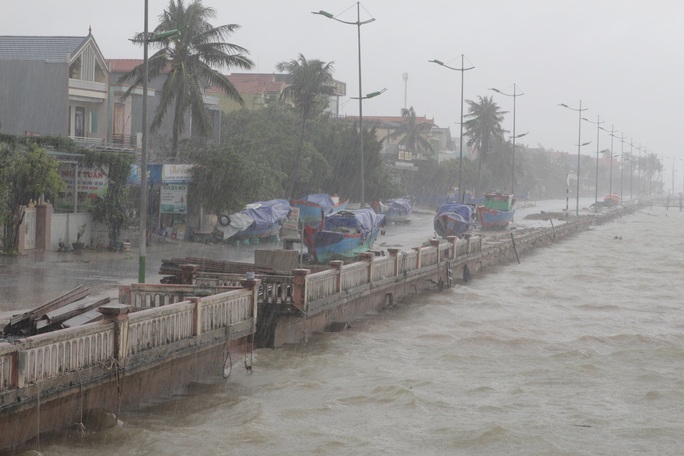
pixel 497 212
pixel 257 221
pixel 343 235
pixel 399 210
pixel 312 208
pixel 454 219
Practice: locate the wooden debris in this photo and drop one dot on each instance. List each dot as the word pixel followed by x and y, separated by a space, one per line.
pixel 25 324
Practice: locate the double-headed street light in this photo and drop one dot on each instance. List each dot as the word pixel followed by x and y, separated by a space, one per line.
pixel 460 148
pixel 579 145
pixel 514 95
pixel 358 23
pixel 598 123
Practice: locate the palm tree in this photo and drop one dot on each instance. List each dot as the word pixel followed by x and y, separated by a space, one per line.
pixel 310 85
pixel 411 133
pixel 192 60
pixel 483 128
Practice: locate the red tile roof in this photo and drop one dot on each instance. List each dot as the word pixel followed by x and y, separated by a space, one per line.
pixel 124 65
pixel 256 83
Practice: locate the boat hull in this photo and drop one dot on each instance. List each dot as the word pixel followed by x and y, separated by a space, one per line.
pixel 451 225
pixel 493 219
pixel 311 213
pixel 346 248
pixel 261 234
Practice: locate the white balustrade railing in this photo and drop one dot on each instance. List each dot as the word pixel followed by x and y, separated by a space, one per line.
pixel 155 327
pixel 428 256
pixel 321 285
pixel 461 247
pixel 408 261
pixel 225 309
pixel 7 357
pixel 49 355
pixel 354 275
pixel 384 268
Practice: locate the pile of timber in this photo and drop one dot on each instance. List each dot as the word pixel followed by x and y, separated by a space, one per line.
pixel 70 309
pixel 171 267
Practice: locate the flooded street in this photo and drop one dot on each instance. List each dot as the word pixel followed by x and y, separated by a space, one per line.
pixel 575 351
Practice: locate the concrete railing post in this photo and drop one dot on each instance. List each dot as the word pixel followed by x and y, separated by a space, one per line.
pixel 452 246
pixel 252 284
pixel 299 289
pixel 337 266
pixel 418 260
pixel 394 253
pixel 368 257
pixel 118 314
pixel 197 316
pixel 188 273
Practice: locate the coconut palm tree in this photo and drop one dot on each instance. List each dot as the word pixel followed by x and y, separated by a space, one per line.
pixel 483 128
pixel 310 86
pixel 193 60
pixel 412 133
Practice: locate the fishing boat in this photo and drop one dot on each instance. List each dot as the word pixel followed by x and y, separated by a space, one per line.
pixel 398 210
pixel 454 219
pixel 343 235
pixel 497 212
pixel 312 208
pixel 257 221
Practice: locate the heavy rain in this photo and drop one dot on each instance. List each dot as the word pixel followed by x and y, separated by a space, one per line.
pixel 323 228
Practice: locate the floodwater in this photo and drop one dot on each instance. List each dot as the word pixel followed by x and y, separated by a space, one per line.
pixel 577 350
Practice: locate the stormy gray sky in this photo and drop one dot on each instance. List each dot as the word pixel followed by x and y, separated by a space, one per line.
pixel 622 58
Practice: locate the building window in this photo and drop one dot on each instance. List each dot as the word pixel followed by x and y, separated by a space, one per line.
pixel 75 69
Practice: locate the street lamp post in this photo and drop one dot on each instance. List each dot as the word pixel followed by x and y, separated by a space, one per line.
pixel 143 159
pixel 579 145
pixel 514 95
pixel 622 161
pixel 598 129
pixel 146 38
pixel 610 179
pixel 463 69
pixel 358 25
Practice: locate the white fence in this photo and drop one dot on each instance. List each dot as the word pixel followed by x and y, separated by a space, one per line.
pixel 47 356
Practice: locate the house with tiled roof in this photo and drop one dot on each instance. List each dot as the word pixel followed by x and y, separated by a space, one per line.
pixel 260 90
pixel 54 85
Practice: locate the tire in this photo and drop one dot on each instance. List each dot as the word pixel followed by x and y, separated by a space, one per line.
pixel 224 220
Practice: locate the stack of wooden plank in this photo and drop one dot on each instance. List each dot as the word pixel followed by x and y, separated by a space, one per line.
pixel 68 310
pixel 171 267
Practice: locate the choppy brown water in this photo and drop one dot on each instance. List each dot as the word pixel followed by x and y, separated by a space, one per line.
pixel 578 350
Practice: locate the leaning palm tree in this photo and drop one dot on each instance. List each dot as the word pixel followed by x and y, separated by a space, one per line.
pixel 483 128
pixel 412 133
pixel 193 60
pixel 310 86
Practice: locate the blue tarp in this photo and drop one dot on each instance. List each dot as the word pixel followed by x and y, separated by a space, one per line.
pixel 463 210
pixel 364 220
pixel 267 213
pixel 400 205
pixel 322 199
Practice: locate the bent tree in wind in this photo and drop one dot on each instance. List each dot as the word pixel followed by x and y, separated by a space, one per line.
pixel 191 61
pixel 483 128
pixel 308 92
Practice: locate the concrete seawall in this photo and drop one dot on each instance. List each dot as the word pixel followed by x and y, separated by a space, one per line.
pixel 162 337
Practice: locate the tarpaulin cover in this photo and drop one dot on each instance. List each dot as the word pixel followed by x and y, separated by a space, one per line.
pixel 322 199
pixel 364 220
pixel 267 213
pixel 238 222
pixel 463 210
pixel 400 205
